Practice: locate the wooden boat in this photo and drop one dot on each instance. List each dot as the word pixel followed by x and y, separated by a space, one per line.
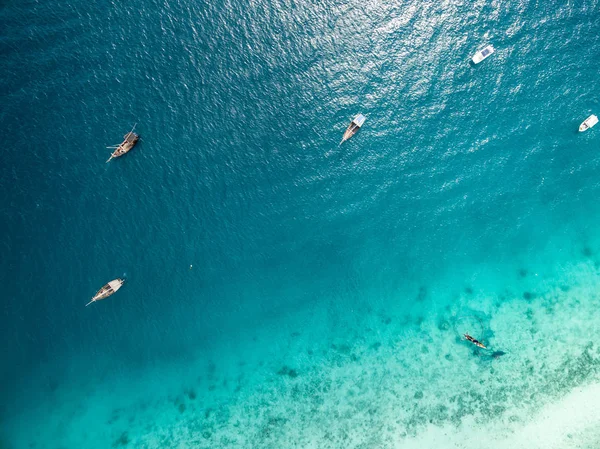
pixel 355 125
pixel 588 123
pixel 129 141
pixel 474 341
pixel 107 290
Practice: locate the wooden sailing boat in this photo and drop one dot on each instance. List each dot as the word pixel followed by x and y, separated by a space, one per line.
pixel 107 290
pixel 129 141
pixel 355 125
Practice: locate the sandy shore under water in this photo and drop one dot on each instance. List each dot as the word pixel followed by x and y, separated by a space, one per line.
pixel 382 377
pixel 572 422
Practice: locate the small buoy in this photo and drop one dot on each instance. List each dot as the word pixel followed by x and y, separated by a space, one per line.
pixel 190 267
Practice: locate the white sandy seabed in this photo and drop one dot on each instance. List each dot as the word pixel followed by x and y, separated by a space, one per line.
pixel 571 422
pixel 367 378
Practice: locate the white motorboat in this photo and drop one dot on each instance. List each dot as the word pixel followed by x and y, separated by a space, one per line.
pixel 482 54
pixel 354 126
pixel 588 123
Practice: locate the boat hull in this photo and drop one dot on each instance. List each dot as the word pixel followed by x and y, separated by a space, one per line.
pixel 588 123
pixel 483 54
pixel 349 133
pixel 108 290
pixel 126 146
pixel 354 126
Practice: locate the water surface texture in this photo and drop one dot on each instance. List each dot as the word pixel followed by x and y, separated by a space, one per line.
pixel 284 291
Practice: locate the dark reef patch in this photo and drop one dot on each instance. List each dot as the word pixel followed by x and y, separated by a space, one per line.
pixel 122 441
pixel 114 416
pixel 529 313
pixel 191 394
pixel 344 349
pixel 528 296
pixel 287 371
pixel 273 424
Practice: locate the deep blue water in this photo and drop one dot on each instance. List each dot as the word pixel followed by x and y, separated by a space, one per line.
pixel 241 108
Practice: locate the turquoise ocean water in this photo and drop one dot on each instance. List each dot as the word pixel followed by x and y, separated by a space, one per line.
pixel 329 284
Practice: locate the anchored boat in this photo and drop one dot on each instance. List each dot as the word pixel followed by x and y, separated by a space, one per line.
pixel 107 290
pixel 588 123
pixel 355 125
pixel 482 54
pixel 129 141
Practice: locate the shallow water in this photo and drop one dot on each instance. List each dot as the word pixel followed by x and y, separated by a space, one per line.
pixel 329 283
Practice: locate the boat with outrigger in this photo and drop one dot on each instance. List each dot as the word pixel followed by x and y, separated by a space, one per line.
pixel 129 141
pixel 588 123
pixel 107 290
pixel 354 126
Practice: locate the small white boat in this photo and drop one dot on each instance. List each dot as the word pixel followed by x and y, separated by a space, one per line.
pixel 482 54
pixel 107 290
pixel 588 123
pixel 354 126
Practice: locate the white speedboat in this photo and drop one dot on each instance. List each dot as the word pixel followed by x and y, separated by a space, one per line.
pixel 588 123
pixel 354 126
pixel 482 54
